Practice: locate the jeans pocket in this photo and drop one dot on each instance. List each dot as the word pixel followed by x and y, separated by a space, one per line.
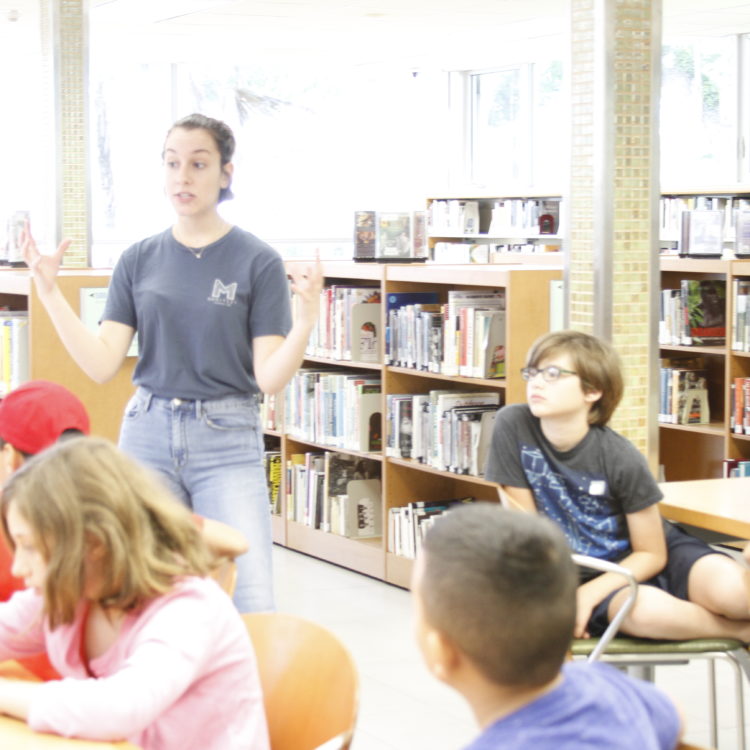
pixel 235 419
pixel 134 407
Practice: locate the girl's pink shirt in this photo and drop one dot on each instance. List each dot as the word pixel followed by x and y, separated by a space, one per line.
pixel 182 674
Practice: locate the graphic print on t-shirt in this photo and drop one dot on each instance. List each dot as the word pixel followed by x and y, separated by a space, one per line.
pixel 588 520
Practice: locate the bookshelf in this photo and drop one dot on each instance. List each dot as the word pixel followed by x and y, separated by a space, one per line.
pixel 697 451
pixel 496 228
pixel 406 480
pixel 48 358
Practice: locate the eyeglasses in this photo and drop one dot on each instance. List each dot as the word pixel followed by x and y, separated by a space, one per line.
pixel 550 373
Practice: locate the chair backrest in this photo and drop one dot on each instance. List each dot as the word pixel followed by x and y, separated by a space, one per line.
pixel 309 681
pixel 225 574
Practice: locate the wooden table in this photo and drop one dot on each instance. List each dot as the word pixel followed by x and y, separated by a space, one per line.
pixel 720 505
pixel 16 735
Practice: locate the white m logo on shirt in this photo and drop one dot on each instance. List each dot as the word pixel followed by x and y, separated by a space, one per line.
pixel 223 294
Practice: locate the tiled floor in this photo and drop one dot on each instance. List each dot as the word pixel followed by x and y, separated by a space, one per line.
pixel 401 706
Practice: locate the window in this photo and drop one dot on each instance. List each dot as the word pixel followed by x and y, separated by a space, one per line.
pixel 516 138
pixel 314 144
pixel 699 107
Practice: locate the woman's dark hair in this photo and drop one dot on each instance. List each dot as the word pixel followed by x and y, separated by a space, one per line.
pixel 222 135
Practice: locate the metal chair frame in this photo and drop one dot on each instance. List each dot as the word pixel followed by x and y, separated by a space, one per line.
pixel 642 655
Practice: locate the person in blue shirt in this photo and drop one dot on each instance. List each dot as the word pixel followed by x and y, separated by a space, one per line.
pixel 494 595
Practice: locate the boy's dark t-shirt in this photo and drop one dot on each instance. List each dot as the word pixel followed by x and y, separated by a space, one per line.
pixel 587 491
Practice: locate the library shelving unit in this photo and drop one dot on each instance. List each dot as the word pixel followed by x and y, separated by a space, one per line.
pixel 697 451
pixel 48 358
pixel 446 223
pixel 406 480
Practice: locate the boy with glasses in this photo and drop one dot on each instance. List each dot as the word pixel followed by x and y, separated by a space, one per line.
pixel 556 456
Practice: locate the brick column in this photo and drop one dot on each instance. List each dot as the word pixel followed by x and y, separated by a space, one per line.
pixel 64 29
pixel 612 263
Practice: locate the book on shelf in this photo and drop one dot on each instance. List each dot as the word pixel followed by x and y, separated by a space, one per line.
pixel 454 336
pixel 702 234
pixel 365 332
pixel 14 349
pixel 362 518
pixel 683 391
pixel 389 236
pixel 704 308
pixel 742 233
pixel 408 524
pixel 273 468
pixel 739 405
pixel 397 321
pixel 741 324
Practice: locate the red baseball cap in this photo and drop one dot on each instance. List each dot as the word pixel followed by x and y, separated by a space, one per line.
pixel 35 415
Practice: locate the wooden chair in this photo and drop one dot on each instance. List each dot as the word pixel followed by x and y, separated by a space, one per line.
pixel 644 654
pixel 309 680
pixel 225 574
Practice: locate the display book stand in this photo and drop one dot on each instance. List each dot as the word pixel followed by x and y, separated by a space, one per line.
pixel 702 451
pixel 47 357
pixel 405 480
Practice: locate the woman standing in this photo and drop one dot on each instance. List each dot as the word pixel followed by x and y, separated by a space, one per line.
pixel 210 304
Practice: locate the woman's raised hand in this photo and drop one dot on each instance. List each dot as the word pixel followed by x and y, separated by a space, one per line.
pixel 44 268
pixel 307 282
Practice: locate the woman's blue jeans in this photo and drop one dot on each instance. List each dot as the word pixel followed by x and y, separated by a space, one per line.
pixel 210 453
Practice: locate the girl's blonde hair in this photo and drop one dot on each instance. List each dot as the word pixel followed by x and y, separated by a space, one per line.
pixel 85 498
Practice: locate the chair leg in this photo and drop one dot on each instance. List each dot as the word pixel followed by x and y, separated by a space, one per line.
pixel 712 711
pixel 642 671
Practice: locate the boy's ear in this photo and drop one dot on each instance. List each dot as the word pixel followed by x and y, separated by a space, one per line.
pixel 592 396
pixel 441 655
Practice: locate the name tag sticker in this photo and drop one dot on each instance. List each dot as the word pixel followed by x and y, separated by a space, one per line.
pixel 597 487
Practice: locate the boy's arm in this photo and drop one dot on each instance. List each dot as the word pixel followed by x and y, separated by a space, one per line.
pixel 517 498
pixel 647 558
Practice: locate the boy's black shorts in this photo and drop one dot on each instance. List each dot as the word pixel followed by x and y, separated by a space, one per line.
pixel 683 550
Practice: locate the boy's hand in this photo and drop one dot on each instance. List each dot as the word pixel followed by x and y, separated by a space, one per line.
pixel 586 600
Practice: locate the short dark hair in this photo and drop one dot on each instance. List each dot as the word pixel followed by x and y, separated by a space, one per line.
pixel 594 360
pixel 501 585
pixel 222 135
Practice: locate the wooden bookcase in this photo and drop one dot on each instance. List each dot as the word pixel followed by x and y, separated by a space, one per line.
pixel 697 451
pixel 48 358
pixel 406 480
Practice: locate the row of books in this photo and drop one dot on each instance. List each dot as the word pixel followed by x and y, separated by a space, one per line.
pixel 336 408
pixel 408 525
pixel 495 218
pixel 734 467
pixel 485 252
pixel 447 430
pixel 693 314
pixel 14 349
pixel 464 336
pixel 704 223
pixel 347 327
pixel 389 235
pixel 683 391
pixel 335 492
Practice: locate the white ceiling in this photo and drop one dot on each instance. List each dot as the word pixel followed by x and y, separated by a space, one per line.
pixel 414 33
pixel 407 32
